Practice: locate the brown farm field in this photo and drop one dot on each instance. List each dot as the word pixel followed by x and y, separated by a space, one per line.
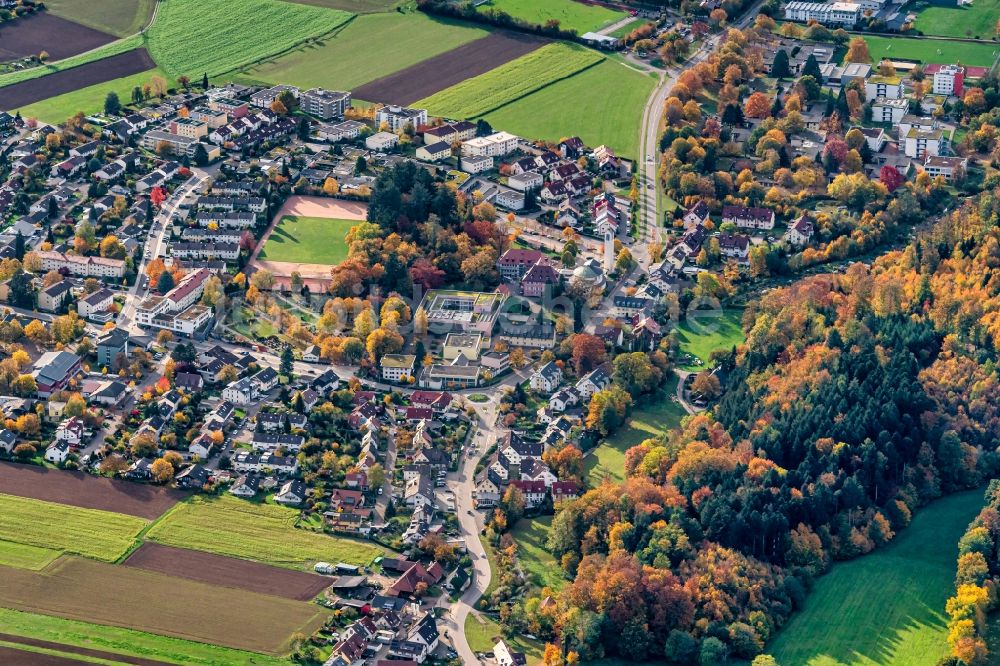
pixel 67 80
pixel 228 572
pixel 10 655
pixel 443 71
pixel 42 31
pixel 72 649
pixel 100 593
pixel 86 491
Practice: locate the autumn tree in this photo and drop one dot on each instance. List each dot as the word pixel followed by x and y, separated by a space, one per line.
pixel 589 351
pixel 758 105
pixel 162 471
pixel 857 51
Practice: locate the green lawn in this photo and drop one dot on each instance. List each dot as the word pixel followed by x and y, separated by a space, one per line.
pixel 482 636
pixel 127 641
pixel 354 6
pixel 118 17
pixel 932 50
pixel 261 532
pixel 510 82
pixel 887 607
pixel 571 15
pixel 628 27
pixel 193 37
pixel 532 535
pixel 947 19
pixel 89 100
pixel 608 459
pixel 309 240
pixel 706 331
pixel 601 105
pixel 23 556
pixel 101 535
pixel 403 40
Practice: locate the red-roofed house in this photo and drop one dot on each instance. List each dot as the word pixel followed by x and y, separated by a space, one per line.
pixel 563 491
pixel 533 491
pixel 515 263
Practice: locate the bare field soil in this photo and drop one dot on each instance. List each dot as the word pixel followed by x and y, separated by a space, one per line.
pixel 86 652
pixel 68 80
pixel 443 71
pixel 228 572
pixel 9 655
pixel 90 591
pixel 84 490
pixel 42 31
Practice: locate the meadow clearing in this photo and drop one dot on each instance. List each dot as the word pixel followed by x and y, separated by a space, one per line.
pixel 541 568
pixel 947 19
pixel 886 607
pixel 571 15
pixel 259 532
pixel 117 17
pixel 102 535
pixel 602 104
pixel 478 96
pixel 193 37
pixel 404 40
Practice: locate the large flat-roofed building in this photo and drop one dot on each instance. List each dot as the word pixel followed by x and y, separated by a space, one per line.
pixel 82 266
pixel 827 13
pixel 178 309
pixel 461 311
pixel 189 127
pixel 53 371
pixel 398 117
pixel 325 104
pixel 494 145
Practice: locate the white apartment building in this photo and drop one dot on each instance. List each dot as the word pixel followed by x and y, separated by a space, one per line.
pixel 833 13
pixel 397 117
pixel 494 145
pixel 82 266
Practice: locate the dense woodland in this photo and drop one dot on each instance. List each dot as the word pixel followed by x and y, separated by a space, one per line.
pixel 857 398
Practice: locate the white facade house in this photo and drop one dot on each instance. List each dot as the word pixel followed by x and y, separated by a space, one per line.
pixel 948 80
pixel 921 143
pixel 547 378
pixel 885 110
pixel 397 367
pixel 890 87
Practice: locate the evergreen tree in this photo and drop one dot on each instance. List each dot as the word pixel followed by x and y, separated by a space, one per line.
pixel 19 246
pixel 841 107
pixel 811 68
pixel 287 361
pixel 204 81
pixel 112 105
pixel 200 155
pixel 780 68
pixel 165 282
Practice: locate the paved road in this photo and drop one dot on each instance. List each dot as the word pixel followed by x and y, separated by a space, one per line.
pixel 462 483
pixel 156 242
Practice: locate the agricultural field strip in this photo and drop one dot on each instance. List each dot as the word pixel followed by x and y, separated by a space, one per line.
pixel 225 571
pixel 114 48
pixel 102 535
pixel 130 642
pixel 86 590
pixel 58 37
pixel 263 533
pixel 87 491
pixel 512 81
pixel 187 36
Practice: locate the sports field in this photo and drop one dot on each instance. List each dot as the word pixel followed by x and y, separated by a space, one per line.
pixel 118 17
pixel 932 50
pixel 647 421
pixel 312 240
pixel 89 100
pixel 193 37
pixel 259 532
pixel 541 568
pixel 126 641
pixel 480 95
pixel 403 40
pixel 102 535
pixel 601 105
pixel 886 607
pixel 89 591
pixel 571 15
pixel 947 19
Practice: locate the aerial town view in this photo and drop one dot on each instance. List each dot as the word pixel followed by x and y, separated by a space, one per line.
pixel 499 332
